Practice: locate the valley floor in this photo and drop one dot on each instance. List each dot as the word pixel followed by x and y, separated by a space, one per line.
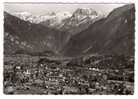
pixel 100 75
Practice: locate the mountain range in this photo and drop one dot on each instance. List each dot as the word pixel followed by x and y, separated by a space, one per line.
pixel 80 33
pixel 65 21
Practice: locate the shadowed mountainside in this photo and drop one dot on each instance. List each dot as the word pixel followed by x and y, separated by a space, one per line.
pixel 112 35
pixel 23 35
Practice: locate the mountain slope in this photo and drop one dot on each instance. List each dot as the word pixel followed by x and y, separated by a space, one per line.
pixel 38 37
pixel 112 35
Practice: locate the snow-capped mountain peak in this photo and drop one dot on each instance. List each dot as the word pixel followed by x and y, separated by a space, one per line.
pixel 85 11
pixel 57 17
pixel 63 15
pixel 23 13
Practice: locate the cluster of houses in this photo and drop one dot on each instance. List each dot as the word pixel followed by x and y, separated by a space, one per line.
pixel 53 77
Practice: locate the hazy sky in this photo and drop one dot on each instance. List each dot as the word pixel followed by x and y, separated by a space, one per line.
pixel 43 8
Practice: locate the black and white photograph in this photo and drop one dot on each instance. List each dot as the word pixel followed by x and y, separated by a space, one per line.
pixel 68 48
